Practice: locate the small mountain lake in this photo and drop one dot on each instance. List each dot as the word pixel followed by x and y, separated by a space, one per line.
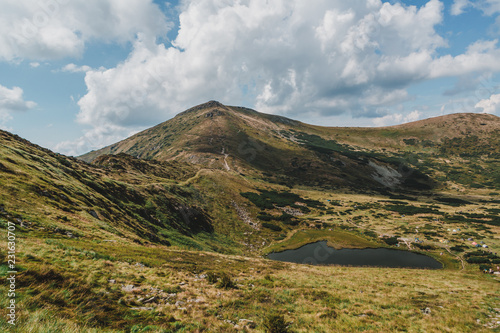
pixel 319 253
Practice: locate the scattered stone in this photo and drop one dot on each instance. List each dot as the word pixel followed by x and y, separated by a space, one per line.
pixel 112 281
pixel 93 213
pixel 244 216
pixel 128 288
pixel 248 323
pixel 426 311
pixel 179 303
pixel 150 300
pixel 142 308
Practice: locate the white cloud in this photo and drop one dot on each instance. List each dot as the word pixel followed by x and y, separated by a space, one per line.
pixel 50 29
pixel 72 68
pixel 99 136
pixel 283 56
pixel 459 6
pixel 12 101
pixel 397 118
pixel 481 56
pixel 489 7
pixel 34 64
pixel 490 105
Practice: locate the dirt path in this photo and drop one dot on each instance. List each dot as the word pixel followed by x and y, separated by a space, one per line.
pixel 225 162
pixel 459 257
pixel 407 244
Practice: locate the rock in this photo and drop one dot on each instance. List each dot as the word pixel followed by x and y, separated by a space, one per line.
pixel 247 323
pixel 128 288
pixel 426 311
pixel 93 213
pixel 179 303
pixel 112 281
pixel 150 300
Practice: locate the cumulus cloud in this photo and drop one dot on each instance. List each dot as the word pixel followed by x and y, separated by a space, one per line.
pixel 283 56
pixel 397 118
pixel 12 101
pixel 490 105
pixel 98 136
pixel 287 56
pixel 72 68
pixel 489 7
pixel 50 29
pixel 459 6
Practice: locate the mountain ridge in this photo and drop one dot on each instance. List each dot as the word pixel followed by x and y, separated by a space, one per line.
pixel 468 120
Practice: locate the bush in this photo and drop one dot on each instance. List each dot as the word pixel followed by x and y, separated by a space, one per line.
pixel 391 241
pixel 457 248
pixel 423 247
pixel 478 260
pixel 212 277
pixel 275 323
pixel 271 226
pixel 225 282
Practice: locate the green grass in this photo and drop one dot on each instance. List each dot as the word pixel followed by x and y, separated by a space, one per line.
pixel 87 233
pixel 335 238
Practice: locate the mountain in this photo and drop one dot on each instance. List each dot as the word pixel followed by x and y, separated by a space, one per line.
pixel 286 151
pixel 166 231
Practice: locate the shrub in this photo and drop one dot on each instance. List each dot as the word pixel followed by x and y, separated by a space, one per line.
pixel 331 314
pixel 212 277
pixel 225 282
pixel 423 247
pixel 391 241
pixel 275 323
pixel 478 260
pixel 271 226
pixel 457 248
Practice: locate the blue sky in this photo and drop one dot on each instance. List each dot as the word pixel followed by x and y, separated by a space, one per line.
pixel 78 75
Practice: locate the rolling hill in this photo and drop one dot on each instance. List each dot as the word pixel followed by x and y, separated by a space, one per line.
pixel 165 231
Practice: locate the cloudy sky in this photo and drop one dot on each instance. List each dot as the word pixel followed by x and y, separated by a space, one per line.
pixel 77 75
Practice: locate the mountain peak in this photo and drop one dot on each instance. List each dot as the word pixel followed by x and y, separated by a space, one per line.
pixel 204 106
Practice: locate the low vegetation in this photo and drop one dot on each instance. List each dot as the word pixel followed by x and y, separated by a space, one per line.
pixel 168 231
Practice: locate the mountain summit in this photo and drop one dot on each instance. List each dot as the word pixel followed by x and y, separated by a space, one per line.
pixel 244 141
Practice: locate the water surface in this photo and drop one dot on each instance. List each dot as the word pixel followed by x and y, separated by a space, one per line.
pixel 321 254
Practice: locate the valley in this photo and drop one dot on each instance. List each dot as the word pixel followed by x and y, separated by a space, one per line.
pixel 168 230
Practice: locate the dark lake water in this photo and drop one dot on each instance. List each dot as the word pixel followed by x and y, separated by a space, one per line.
pixel 321 254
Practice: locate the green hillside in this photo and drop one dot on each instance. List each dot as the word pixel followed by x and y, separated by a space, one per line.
pixel 167 231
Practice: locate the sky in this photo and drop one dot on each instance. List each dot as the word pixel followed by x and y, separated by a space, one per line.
pixel 79 75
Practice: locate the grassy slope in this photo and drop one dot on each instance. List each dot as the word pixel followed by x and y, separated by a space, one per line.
pixel 75 286
pixel 65 284
pixel 124 199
